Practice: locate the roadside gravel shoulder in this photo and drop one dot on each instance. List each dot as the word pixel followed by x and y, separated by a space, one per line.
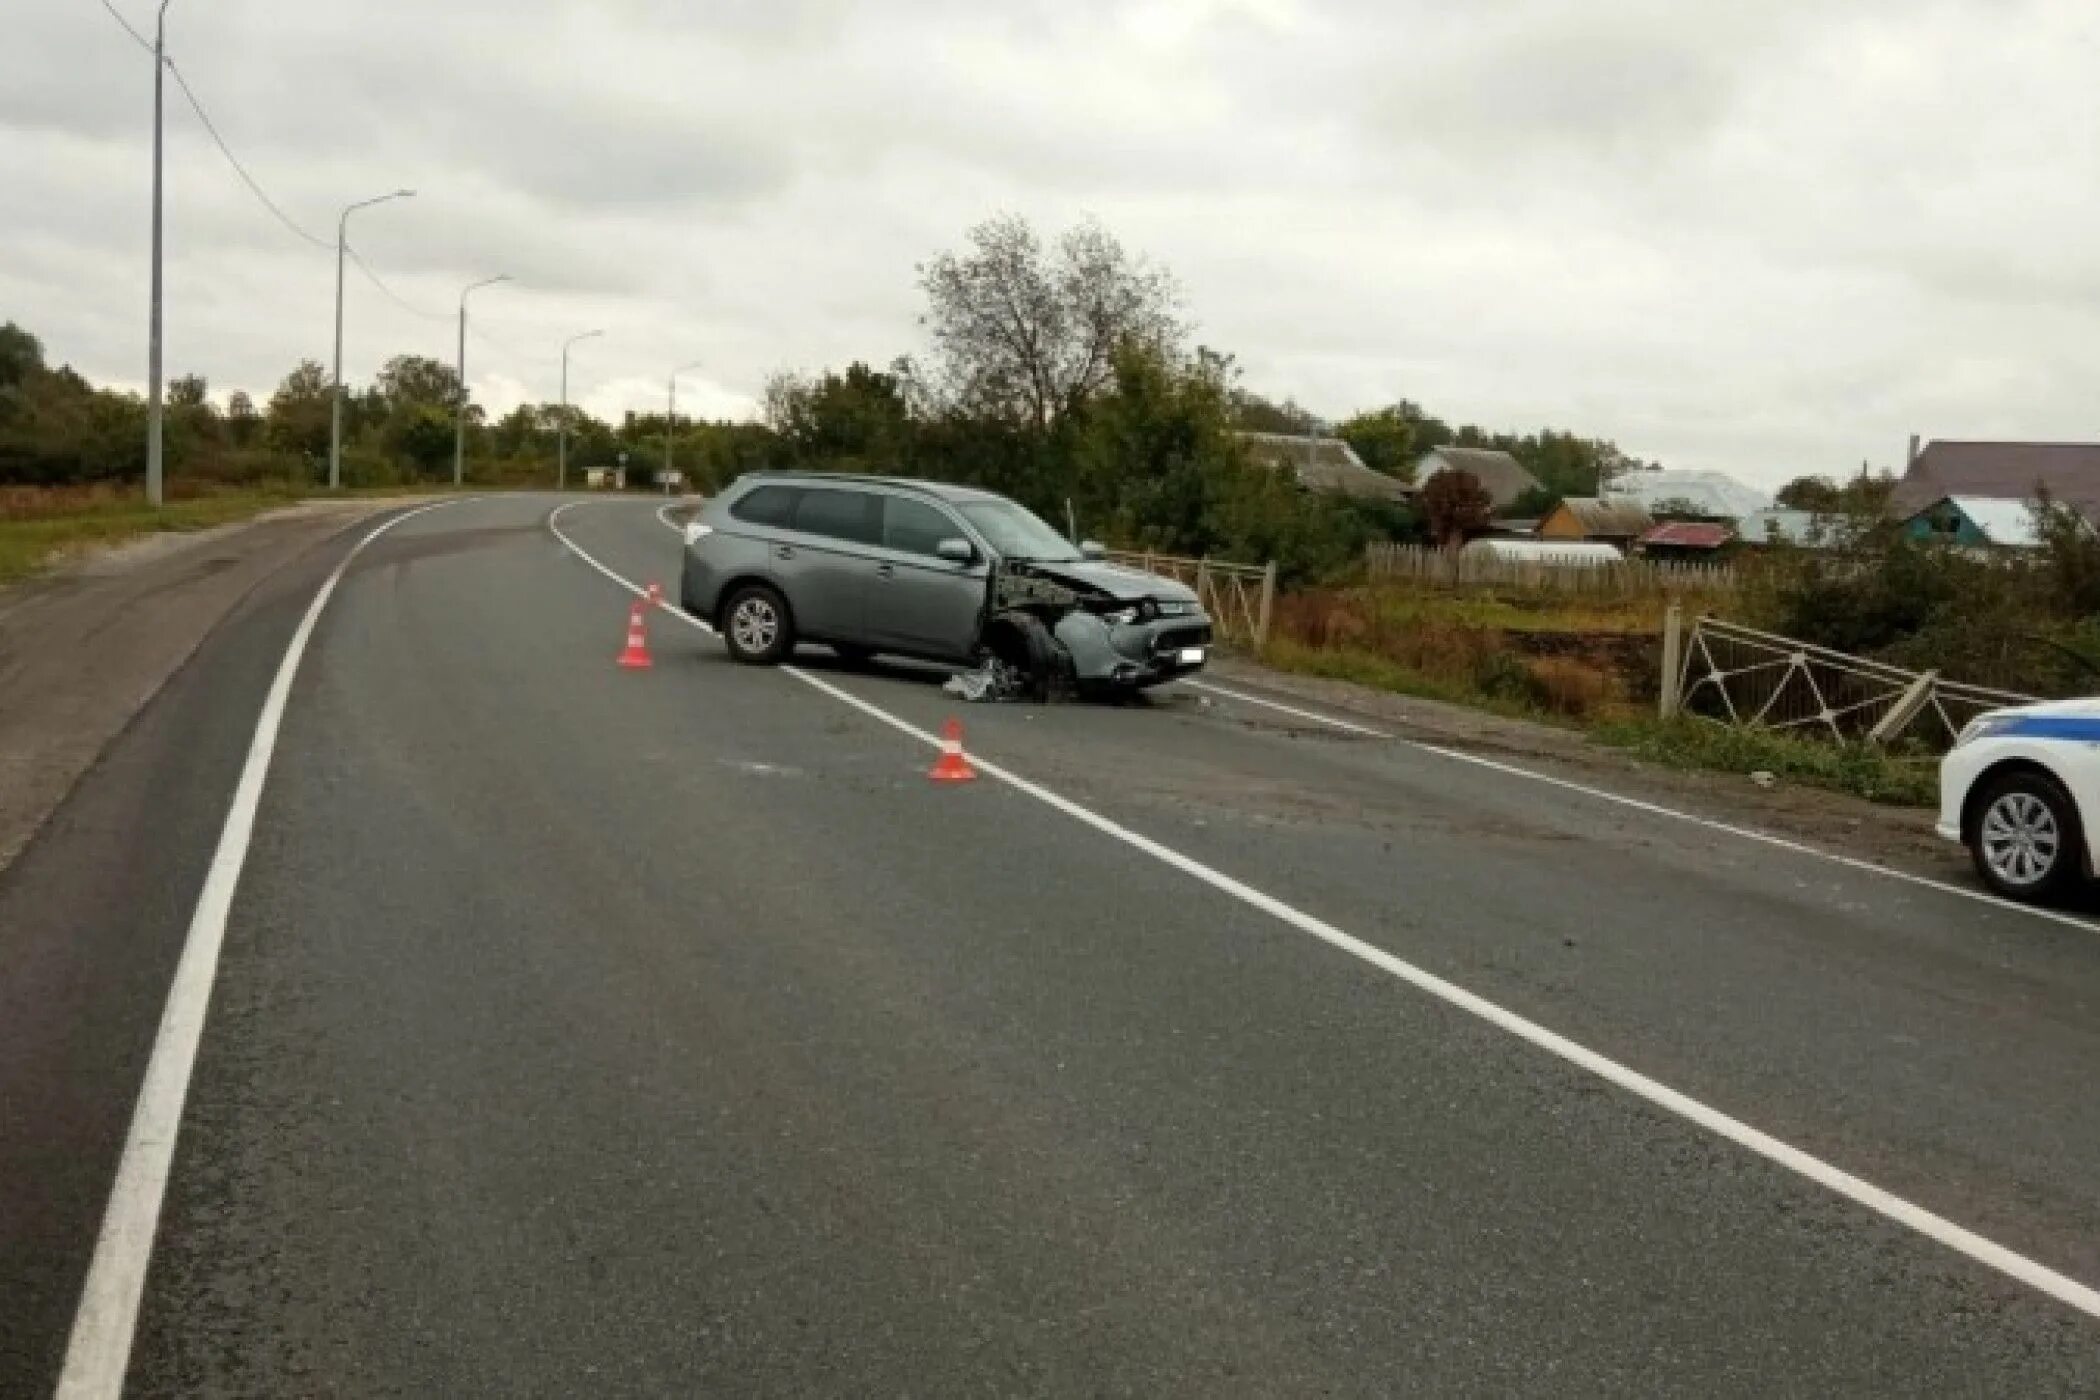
pixel 1901 838
pixel 84 648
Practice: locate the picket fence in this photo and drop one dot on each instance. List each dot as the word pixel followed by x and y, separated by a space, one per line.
pixel 1456 568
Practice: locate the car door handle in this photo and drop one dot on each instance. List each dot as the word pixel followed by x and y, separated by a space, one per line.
pixel 885 571
pixel 783 551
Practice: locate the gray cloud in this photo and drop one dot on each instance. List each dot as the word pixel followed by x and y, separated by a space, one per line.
pixel 1769 238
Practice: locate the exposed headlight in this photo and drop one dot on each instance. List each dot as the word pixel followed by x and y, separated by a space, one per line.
pixel 1981 727
pixel 1121 617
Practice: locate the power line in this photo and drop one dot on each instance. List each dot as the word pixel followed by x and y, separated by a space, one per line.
pixel 390 294
pixel 239 169
pixel 136 37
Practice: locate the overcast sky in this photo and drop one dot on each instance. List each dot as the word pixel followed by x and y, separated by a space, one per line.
pixel 1767 237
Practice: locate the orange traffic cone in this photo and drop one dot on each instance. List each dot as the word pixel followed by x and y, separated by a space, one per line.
pixel 636 657
pixel 656 595
pixel 953 766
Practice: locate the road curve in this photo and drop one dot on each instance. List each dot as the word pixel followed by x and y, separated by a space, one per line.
pixel 590 1031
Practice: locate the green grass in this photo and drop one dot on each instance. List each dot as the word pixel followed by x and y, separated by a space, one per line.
pixel 1409 607
pixel 1860 769
pixel 40 529
pixel 28 547
pixel 1382 673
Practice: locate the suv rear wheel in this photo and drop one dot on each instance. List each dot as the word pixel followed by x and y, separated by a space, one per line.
pixel 756 626
pixel 2027 843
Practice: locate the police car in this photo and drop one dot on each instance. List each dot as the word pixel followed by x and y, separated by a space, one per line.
pixel 2015 789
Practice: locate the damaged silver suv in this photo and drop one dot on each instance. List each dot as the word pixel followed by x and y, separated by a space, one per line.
pixel 869 565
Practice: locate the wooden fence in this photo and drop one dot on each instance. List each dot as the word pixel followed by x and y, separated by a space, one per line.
pixel 1238 597
pixel 1455 568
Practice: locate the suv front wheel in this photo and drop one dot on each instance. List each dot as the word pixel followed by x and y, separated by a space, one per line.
pixel 756 626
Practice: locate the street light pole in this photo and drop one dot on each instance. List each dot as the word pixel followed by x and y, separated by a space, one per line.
pixel 671 418
pixel 335 397
pixel 153 392
pixel 459 428
pixel 562 471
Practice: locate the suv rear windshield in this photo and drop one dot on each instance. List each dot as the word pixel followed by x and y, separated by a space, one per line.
pixel 768 505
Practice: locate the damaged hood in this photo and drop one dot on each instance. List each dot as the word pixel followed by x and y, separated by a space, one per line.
pixel 1100 576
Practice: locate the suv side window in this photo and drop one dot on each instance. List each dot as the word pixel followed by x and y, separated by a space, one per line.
pixel 768 505
pixel 915 527
pixel 843 515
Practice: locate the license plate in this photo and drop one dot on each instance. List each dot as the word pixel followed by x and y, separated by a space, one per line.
pixel 1192 656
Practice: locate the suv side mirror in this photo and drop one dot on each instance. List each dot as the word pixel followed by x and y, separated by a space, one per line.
pixel 956 551
pixel 1093 549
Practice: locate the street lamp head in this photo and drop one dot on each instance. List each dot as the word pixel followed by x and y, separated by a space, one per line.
pixel 404 194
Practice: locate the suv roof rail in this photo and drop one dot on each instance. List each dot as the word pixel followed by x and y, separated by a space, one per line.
pixel 906 483
pixel 804 474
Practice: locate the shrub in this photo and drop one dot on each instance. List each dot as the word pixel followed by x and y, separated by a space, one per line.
pixel 1565 686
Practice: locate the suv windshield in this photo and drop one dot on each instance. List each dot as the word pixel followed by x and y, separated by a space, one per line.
pixel 1016 532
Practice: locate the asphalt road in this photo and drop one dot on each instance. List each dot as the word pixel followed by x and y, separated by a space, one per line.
pixel 586 1032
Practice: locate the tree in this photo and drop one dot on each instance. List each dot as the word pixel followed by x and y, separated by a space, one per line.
pixel 1252 413
pixel 21 355
pixel 423 433
pixel 243 423
pixel 1027 335
pixel 1535 503
pixel 1867 495
pixel 188 391
pixel 1457 506
pixel 297 418
pixel 1816 493
pixel 418 379
pixel 844 422
pixel 1384 438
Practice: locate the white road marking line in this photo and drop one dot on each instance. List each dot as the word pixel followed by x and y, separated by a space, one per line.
pixel 1654 809
pixel 640 592
pixel 1327 720
pixel 1989 1253
pixel 99 1350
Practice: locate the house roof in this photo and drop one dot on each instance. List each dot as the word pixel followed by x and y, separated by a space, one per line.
pixel 2000 521
pixel 1327 465
pixel 2068 471
pixel 1803 527
pixel 1687 534
pixel 1614 518
pixel 1708 493
pixel 1501 475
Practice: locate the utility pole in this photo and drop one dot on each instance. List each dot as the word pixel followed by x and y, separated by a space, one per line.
pixel 671 417
pixel 561 479
pixel 459 427
pixel 153 392
pixel 335 396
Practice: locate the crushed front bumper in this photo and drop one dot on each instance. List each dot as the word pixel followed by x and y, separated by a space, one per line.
pixel 1133 654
